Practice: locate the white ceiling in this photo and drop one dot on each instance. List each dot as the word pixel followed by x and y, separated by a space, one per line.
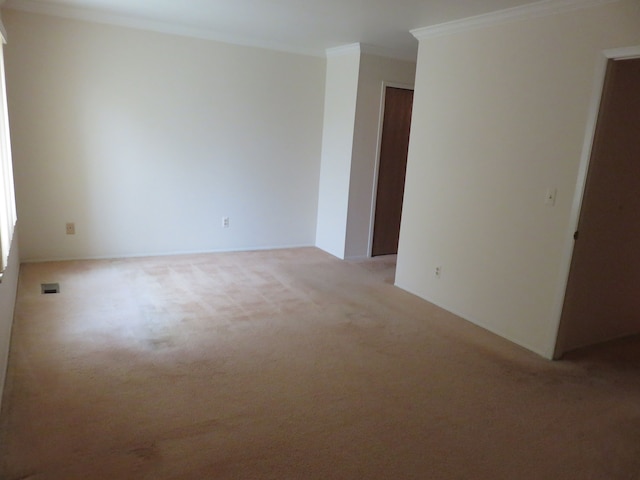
pixel 305 26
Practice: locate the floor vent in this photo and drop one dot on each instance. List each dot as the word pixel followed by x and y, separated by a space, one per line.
pixel 49 288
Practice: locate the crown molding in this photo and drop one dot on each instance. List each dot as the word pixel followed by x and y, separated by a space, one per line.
pixel 366 49
pixel 389 52
pixel 344 50
pixel 532 10
pixel 104 18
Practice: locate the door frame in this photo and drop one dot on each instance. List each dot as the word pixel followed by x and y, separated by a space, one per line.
pixel 376 169
pixel 603 59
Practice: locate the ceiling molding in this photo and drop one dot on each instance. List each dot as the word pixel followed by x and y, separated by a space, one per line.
pixel 532 10
pixel 343 50
pixel 366 49
pixel 389 53
pixel 105 18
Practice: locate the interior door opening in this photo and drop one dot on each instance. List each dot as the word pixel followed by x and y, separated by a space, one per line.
pixel 394 147
pixel 601 300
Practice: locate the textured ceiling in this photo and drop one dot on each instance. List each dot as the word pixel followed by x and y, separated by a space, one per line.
pixel 306 26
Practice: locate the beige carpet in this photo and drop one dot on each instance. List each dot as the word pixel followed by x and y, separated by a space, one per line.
pixel 293 365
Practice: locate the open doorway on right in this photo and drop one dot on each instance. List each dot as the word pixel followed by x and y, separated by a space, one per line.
pixel 602 299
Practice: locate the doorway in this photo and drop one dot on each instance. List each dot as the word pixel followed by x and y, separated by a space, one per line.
pixel 601 299
pixel 394 147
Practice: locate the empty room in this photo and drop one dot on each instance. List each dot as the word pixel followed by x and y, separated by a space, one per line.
pixel 307 240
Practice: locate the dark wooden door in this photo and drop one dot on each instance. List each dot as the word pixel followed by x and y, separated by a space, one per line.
pixel 396 126
pixel 602 300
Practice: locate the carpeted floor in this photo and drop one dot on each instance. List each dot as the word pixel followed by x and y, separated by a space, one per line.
pixel 291 364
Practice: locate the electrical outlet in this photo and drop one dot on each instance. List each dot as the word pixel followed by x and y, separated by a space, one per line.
pixel 438 272
pixel 71 228
pixel 225 222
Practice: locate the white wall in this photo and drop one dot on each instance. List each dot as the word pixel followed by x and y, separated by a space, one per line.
pixel 500 114
pixel 147 140
pixel 337 148
pixel 374 70
pixel 8 289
